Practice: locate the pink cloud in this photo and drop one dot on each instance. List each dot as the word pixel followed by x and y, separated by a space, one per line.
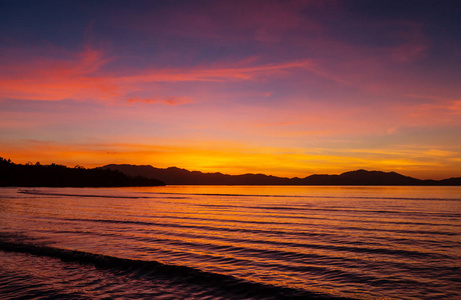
pixel 79 77
pixel 435 110
pixel 216 74
pixel 168 101
pixel 227 21
pixel 56 79
pixel 414 44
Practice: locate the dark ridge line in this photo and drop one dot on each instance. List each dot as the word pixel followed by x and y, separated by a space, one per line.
pixel 227 283
pixel 178 176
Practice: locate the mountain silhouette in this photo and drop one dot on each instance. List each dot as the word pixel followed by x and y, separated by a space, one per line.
pixel 174 175
pixel 53 175
pixel 177 176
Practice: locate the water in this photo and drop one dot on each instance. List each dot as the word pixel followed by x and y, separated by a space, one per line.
pixel 224 242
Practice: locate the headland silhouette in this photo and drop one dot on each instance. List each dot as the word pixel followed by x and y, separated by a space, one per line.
pixel 34 175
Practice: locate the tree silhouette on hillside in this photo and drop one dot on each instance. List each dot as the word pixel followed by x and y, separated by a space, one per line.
pixel 54 175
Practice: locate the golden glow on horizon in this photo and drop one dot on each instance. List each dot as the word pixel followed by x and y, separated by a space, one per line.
pixel 236 160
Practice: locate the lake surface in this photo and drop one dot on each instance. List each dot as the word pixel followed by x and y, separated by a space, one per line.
pixel 231 242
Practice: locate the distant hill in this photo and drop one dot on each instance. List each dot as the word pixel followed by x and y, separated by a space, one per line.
pixel 363 177
pixel 179 176
pixel 53 175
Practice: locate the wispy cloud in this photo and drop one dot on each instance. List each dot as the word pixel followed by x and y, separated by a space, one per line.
pixel 53 79
pixel 215 74
pixel 80 78
pixel 414 45
pixel 168 101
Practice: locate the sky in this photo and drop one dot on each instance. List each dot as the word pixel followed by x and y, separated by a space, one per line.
pixel 287 88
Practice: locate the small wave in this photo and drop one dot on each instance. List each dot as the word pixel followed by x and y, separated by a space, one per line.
pixel 35 192
pixel 338 248
pixel 184 196
pixel 308 196
pixel 193 217
pixel 301 208
pixel 230 285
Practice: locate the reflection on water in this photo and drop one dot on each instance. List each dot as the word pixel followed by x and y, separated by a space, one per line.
pixel 267 242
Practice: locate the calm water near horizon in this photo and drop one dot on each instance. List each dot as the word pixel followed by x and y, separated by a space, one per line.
pixel 231 242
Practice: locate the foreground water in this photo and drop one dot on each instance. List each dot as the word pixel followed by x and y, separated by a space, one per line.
pixel 218 242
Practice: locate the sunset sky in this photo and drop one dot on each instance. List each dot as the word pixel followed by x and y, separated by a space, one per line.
pixel 288 88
